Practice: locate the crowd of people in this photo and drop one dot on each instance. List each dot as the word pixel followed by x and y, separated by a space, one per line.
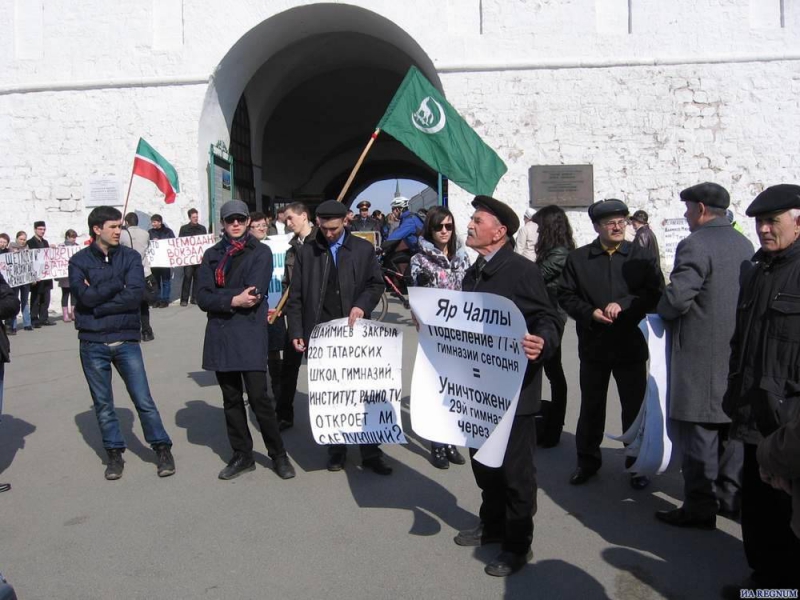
pixel 736 429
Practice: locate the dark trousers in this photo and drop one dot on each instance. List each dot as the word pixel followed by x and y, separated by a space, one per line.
pixel 631 378
pixel 189 283
pixel 40 302
pixel 509 492
pixel 771 548
pixel 144 311
pixel 367 450
pixel 163 276
pixel 292 359
pixel 711 465
pixel 554 420
pixel 65 297
pixel 236 413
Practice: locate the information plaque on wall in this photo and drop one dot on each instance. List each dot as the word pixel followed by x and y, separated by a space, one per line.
pixel 562 185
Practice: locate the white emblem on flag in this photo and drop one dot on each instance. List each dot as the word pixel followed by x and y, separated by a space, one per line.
pixel 425 119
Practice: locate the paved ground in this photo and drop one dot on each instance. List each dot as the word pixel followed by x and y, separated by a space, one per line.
pixel 65 532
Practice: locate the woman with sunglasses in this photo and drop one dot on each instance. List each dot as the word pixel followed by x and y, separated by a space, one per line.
pixel 440 263
pixel 552 247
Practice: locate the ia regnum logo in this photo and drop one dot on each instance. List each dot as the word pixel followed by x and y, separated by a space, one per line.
pixel 429 117
pixel 745 593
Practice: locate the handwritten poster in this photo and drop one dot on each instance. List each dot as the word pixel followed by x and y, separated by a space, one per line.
pixel 468 371
pixel 28 266
pixel 180 251
pixel 355 383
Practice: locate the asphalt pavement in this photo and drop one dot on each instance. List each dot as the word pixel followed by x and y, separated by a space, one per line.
pixel 66 532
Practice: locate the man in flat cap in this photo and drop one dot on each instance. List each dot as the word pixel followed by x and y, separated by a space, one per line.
pixel 233 283
pixel 763 392
pixel 362 221
pixel 509 492
pixel 700 305
pixel 644 235
pixel 40 290
pixel 607 287
pixel 335 276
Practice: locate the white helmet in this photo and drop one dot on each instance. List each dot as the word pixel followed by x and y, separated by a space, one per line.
pixel 400 202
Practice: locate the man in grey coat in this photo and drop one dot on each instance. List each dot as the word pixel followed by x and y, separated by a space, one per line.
pixel 700 303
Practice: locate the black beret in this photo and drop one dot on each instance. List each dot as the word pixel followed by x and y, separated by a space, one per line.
pixel 39 224
pixel 710 194
pixel 607 208
pixel 363 203
pixel 331 209
pixel 774 199
pixel 502 211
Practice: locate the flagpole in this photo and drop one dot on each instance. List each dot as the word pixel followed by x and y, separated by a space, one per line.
pixel 130 183
pixel 346 187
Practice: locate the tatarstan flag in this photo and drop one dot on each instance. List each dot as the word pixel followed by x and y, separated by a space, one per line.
pixel 151 165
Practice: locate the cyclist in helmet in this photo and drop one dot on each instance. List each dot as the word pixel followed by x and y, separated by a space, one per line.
pixel 410 225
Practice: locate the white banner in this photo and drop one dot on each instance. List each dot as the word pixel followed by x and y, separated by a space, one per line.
pixel 179 252
pixel 355 383
pixel 29 266
pixel 648 438
pixel 469 369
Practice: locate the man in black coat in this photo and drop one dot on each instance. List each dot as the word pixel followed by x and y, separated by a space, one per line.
pixel 764 382
pixel 163 275
pixel 644 235
pixel 40 291
pixel 607 287
pixel 335 276
pixel 509 492
pixel 362 221
pixel 232 282
pixel 189 285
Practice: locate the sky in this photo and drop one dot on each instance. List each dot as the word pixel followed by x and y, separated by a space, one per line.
pixel 381 193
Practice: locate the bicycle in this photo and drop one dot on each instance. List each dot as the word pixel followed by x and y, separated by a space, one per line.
pixel 395 286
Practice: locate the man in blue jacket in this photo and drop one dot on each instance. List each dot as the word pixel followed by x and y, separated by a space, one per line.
pixel 108 282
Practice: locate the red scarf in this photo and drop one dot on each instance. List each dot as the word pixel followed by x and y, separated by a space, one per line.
pixel 234 247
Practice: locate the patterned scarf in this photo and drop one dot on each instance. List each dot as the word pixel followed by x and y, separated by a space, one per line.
pixel 234 247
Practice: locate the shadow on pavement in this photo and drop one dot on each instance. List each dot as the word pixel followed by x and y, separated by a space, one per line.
pixel 205 426
pixel 87 425
pixel 552 580
pixel 203 378
pixel 624 517
pixel 13 432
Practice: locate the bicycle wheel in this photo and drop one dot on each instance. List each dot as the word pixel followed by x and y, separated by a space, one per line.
pixel 379 314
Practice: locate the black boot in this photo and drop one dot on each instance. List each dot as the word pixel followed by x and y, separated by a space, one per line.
pixel 115 464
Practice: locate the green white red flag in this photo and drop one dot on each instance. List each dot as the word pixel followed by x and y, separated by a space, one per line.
pixel 151 165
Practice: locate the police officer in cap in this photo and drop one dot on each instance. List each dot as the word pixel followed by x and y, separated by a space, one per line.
pixel 607 287
pixel 363 222
pixel 763 395
pixel 335 276
pixel 509 492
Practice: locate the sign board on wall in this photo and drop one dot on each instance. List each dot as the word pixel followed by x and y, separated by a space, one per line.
pixel 220 182
pixel 103 191
pixel 562 185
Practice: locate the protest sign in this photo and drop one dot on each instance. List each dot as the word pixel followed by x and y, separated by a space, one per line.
pixel 279 244
pixel 29 266
pixel 469 369
pixel 675 230
pixel 648 438
pixel 355 383
pixel 178 252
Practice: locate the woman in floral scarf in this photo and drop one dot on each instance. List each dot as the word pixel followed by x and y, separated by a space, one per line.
pixel 440 263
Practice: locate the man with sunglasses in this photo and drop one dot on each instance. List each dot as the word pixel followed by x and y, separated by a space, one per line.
pixel 608 287
pixel 233 280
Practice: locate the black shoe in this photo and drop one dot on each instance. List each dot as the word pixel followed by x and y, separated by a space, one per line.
pixel 115 464
pixel 454 456
pixel 4 487
pixel 184 303
pixel 581 475
pixel 240 463
pixel 12 332
pixel 378 465
pixel 439 458
pixel 283 467
pixel 336 461
pixel 164 304
pixel 37 325
pixel 476 537
pixel 166 464
pixel 49 323
pixel 639 482
pixel 284 424
pixel 28 328
pixel 147 336
pixel 193 301
pixel 508 563
pixel 680 518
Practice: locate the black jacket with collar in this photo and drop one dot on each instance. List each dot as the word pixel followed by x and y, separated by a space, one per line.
pixel 592 279
pixel 515 277
pixel 190 229
pixel 360 281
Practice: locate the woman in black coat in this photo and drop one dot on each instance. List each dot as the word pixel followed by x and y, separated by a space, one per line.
pixel 232 282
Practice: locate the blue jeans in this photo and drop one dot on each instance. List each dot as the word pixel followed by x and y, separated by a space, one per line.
pixel 96 360
pixel 164 278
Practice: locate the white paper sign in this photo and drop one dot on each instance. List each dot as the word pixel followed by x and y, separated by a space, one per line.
pixel 180 251
pixel 469 369
pixel 355 383
pixel 648 438
pixel 28 266
pixel 675 230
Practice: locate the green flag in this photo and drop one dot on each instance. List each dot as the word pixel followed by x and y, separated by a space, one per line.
pixel 424 122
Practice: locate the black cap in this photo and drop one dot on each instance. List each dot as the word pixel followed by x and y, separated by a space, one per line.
pixel 502 211
pixel 607 208
pixel 331 209
pixel 363 203
pixel 777 198
pixel 710 194
pixel 231 208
